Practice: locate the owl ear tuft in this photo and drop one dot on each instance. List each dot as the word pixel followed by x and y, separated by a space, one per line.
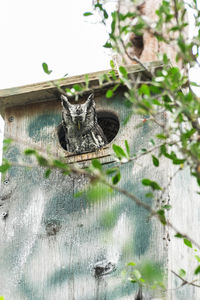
pixel 65 101
pixel 90 101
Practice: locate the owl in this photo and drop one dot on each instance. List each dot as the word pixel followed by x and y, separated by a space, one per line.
pixel 82 131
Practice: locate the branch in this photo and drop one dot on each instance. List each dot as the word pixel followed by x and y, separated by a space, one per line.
pixel 176 12
pixel 184 281
pixel 133 58
pixel 98 177
pixel 168 184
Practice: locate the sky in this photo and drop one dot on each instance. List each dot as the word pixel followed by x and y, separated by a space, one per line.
pixel 55 32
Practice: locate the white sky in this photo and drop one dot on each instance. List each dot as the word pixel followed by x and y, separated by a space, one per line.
pixel 55 32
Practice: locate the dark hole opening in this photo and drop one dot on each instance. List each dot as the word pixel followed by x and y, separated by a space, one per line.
pixel 107 120
pixel 109 123
pixel 138 43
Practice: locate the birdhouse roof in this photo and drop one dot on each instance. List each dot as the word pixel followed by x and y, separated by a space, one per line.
pixel 48 91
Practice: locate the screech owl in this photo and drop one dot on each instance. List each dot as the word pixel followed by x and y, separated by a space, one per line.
pixel 82 131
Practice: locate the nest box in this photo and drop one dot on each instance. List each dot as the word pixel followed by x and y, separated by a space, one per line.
pixel 56 246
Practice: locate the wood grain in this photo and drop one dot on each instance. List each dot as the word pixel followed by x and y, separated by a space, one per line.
pixel 46 91
pixel 51 241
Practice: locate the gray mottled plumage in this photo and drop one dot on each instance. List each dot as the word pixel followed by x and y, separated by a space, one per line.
pixel 82 132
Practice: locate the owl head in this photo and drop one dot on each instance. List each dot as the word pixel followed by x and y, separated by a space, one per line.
pixel 79 114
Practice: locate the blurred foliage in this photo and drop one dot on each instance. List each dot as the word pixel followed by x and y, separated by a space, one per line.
pixel 147 274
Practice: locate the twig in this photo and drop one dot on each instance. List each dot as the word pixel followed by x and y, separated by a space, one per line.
pixel 169 182
pixel 185 281
pixel 176 12
pixel 133 58
pixel 151 150
pixel 94 177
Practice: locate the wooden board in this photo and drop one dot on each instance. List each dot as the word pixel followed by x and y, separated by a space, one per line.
pixel 47 91
pixel 51 241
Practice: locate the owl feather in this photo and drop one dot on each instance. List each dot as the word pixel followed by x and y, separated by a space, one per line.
pixel 82 131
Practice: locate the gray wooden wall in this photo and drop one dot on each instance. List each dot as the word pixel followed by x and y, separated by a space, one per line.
pixel 51 241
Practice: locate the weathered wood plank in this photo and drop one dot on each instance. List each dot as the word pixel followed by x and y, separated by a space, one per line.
pixel 52 241
pixel 46 91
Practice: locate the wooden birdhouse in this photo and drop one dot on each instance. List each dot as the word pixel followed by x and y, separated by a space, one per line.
pixel 56 246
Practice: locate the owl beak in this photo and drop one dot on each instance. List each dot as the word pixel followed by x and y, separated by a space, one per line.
pixel 78 121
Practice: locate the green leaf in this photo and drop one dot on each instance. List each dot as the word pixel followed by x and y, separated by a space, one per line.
pixel 114 77
pixel 6 144
pixel 46 68
pixel 197 258
pixel 146 182
pixel 187 243
pixel 127 148
pixel 152 141
pixel 7 141
pixel 152 272
pixel 153 184
pixel 116 178
pixel 161 215
pixel 167 207
pixel 69 91
pixel 96 164
pixel 4 167
pixel 197 270
pixel 119 151
pixel 161 136
pixel 112 171
pixel 187 135
pixel 47 173
pixel 105 14
pixel 113 24
pixel 60 164
pixel 194 84
pixel 86 81
pixel 108 219
pixel 156 102
pixel 182 273
pixel 177 161
pixel 86 14
pixel 78 194
pixel 132 280
pixel 42 161
pixel 107 45
pixel 115 87
pixel 178 235
pixel 123 72
pixel 155 161
pixel 77 87
pixel 165 59
pixel 144 89
pixel 149 195
pixel 109 93
pixel 132 264
pixel 97 192
pixel 30 152
pixel 112 64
